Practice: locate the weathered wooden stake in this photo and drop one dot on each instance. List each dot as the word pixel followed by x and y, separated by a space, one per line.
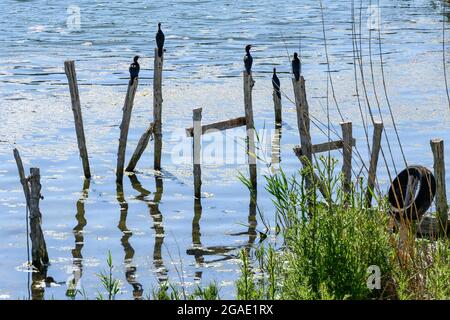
pixel 124 126
pixel 157 108
pixel 196 147
pixel 347 155
pixel 69 67
pixel 39 249
pixel 376 146
pixel 303 123
pixel 437 146
pixel 142 144
pixel 251 150
pixel 23 179
pixel 277 107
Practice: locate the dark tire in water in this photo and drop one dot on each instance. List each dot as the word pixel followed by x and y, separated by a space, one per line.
pixel 423 185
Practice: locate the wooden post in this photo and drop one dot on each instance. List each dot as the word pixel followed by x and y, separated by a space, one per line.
pixel 23 179
pixel 124 126
pixel 250 126
pixel 196 143
pixel 157 108
pixel 39 249
pixel 347 155
pixel 376 146
pixel 277 107
pixel 69 67
pixel 437 146
pixel 142 144
pixel 303 123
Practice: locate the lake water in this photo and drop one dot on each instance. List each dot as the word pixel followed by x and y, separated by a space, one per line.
pixel 155 229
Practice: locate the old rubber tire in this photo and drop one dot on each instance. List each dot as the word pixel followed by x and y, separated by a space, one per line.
pixel 423 198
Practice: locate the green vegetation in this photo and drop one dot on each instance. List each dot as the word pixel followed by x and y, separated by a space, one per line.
pixel 329 243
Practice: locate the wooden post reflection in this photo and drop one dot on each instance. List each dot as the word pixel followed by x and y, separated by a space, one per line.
pixel 130 269
pixel 157 217
pixel 77 257
pixel 196 237
pixel 276 148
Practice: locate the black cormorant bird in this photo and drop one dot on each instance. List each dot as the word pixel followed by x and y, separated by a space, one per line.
pixel 134 69
pixel 276 83
pixel 248 59
pixel 296 66
pixel 160 40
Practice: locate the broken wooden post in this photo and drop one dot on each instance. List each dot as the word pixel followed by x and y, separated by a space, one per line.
pixel 376 146
pixel 39 249
pixel 69 67
pixel 251 150
pixel 124 126
pixel 23 179
pixel 142 144
pixel 437 146
pixel 277 106
pixel 347 155
pixel 157 108
pixel 196 147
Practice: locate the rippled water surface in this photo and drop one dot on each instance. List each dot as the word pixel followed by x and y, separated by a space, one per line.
pixel 154 228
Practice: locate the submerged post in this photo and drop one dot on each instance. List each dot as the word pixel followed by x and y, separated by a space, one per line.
pixel 196 143
pixel 376 146
pixel 437 146
pixel 347 155
pixel 39 249
pixel 124 126
pixel 69 67
pixel 142 144
pixel 157 108
pixel 250 126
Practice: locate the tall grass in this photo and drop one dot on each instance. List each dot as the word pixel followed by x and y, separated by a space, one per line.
pixel 329 243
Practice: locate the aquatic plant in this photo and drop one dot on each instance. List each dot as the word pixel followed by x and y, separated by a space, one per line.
pixel 109 283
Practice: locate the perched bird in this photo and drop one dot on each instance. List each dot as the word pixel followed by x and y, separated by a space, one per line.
pixel 276 83
pixel 248 59
pixel 296 67
pixel 160 40
pixel 134 69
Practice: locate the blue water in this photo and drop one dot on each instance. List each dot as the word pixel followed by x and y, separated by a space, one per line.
pixel 151 239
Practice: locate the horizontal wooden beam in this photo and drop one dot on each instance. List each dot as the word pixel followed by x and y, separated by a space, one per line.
pixel 323 147
pixel 219 126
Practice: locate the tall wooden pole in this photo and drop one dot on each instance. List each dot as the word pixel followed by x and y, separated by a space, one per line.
pixel 196 143
pixel 250 126
pixel 303 123
pixel 437 146
pixel 69 67
pixel 376 146
pixel 124 126
pixel 157 108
